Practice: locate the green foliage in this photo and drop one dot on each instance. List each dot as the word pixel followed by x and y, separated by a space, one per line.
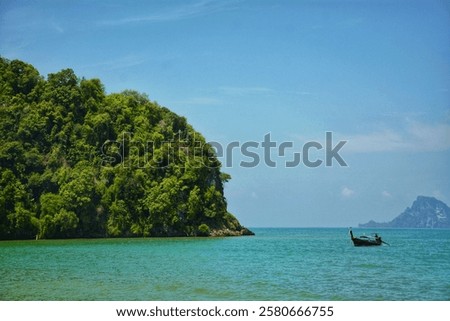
pixel 203 230
pixel 77 162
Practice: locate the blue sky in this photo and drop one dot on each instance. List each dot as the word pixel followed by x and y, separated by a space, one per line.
pixel 375 73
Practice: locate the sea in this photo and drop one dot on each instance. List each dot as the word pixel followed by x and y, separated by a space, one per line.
pixel 287 264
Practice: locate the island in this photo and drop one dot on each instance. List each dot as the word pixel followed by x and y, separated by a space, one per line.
pixel 425 212
pixel 76 162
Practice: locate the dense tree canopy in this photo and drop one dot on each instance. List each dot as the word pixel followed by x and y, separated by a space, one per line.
pixel 77 162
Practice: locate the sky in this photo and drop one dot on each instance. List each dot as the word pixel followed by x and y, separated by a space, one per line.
pixel 375 74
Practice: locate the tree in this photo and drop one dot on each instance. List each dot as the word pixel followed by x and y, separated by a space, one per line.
pixel 77 162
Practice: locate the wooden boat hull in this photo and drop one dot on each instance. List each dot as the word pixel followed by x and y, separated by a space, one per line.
pixel 365 241
pixel 360 242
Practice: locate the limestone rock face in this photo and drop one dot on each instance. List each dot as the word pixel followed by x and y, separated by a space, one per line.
pixel 425 212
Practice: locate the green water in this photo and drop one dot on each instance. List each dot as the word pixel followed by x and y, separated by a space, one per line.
pixel 276 264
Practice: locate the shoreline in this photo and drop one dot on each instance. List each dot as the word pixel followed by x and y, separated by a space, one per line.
pixel 215 233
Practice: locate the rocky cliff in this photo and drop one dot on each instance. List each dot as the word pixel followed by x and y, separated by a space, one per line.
pixel 425 212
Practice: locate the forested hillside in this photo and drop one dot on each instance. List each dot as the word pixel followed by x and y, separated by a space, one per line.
pixel 77 162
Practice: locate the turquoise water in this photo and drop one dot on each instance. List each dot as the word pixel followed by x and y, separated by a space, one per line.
pixel 276 264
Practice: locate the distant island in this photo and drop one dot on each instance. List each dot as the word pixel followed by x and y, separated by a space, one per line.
pixel 425 212
pixel 77 162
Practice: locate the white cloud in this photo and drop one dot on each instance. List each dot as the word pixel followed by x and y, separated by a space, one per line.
pixel 57 27
pixel 241 91
pixel 347 192
pixel 415 137
pixel 438 194
pixel 186 11
pixel 386 194
pixel 385 140
pixel 430 137
pixel 203 101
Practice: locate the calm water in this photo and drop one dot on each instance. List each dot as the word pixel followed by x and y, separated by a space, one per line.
pixel 276 264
